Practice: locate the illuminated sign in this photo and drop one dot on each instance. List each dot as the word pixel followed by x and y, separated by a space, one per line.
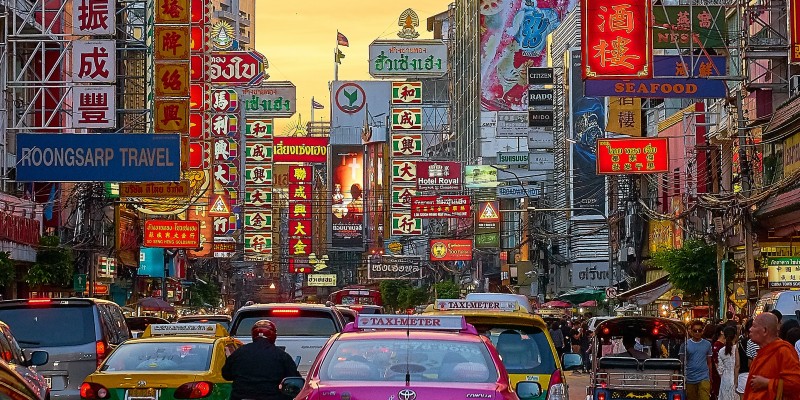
pixel 154 189
pixel 616 39
pixel 451 250
pixel 168 234
pixel 783 272
pixel 300 149
pixel 438 175
pixel 632 156
pixel 440 207
pixel 673 28
pixel 794 31
pixel 171 43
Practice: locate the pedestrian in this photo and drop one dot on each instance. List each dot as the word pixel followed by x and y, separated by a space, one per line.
pixel 717 343
pixel 775 372
pixel 698 363
pixel 566 331
pixel 558 338
pixel 257 368
pixel 586 342
pixel 727 362
pixel 745 357
pixel 786 326
pixel 793 337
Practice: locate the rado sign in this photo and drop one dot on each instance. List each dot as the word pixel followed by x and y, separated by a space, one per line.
pixel 540 97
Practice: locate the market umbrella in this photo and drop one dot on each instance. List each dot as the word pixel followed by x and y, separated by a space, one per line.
pixel 556 304
pixel 155 304
pixel 590 303
pixel 583 294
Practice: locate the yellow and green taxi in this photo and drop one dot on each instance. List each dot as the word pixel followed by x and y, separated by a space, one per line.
pixel 521 338
pixel 169 361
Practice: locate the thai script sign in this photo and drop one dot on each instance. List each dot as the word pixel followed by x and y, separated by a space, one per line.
pixel 324 280
pixel 590 274
pixel 91 158
pixel 794 31
pixel 512 158
pixel 300 149
pixel 236 68
pixel 438 175
pixel 451 250
pixel 155 189
pixel 674 28
pixel 783 272
pixel 399 58
pixel 617 39
pixel 632 156
pixel 665 85
pixel 440 207
pixel 168 234
pixel 518 191
pixel 19 229
pixel 395 267
pixel 271 99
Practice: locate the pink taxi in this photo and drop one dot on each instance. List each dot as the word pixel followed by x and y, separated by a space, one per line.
pixel 415 357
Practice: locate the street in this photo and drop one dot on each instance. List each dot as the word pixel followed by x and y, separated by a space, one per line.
pixel 577 385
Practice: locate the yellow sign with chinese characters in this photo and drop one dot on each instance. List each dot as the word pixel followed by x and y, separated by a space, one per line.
pixel 171 43
pixel 625 115
pixel 172 11
pixel 171 115
pixel 172 79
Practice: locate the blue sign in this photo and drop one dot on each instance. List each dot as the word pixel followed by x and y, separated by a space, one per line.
pixel 107 157
pixel 667 81
pixel 151 263
pixel 676 301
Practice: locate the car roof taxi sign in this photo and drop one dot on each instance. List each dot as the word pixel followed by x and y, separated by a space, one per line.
pixel 456 304
pixel 416 322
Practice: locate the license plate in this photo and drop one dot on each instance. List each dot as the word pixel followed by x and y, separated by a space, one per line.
pixel 49 382
pixel 148 393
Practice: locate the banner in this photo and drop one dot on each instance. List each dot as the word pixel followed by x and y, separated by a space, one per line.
pixel 616 39
pixel 347 203
pixel 632 156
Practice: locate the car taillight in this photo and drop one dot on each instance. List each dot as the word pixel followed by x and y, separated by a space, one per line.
pixel 556 390
pixel 194 390
pixel 101 350
pixel 674 386
pixel 39 301
pixel 676 396
pixel 601 396
pixel 286 311
pixel 93 391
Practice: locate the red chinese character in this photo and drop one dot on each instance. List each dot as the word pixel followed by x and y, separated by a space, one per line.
pixel 93 64
pixel 93 108
pixel 171 42
pixel 171 114
pixel 172 8
pixel 93 14
pixel 171 79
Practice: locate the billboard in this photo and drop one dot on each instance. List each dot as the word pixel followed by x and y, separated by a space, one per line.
pixel 438 175
pixel 664 84
pixel 587 120
pixel 513 37
pixel 406 59
pixel 451 249
pixel 632 156
pixel 350 103
pixel 347 203
pixel 109 157
pixel 783 272
pixel 480 176
pixel 395 267
pixel 440 206
pixel 617 39
pixel 673 28
pixel 300 149
pixel 168 234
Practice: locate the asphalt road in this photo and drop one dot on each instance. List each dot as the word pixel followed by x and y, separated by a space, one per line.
pixel 577 385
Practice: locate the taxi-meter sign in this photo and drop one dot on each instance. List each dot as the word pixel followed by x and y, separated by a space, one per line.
pixel 388 321
pixel 182 329
pixel 454 304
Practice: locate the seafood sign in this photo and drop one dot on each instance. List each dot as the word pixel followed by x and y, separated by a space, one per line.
pixel 236 68
pixel 397 59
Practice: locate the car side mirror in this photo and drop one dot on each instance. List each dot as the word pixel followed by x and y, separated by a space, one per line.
pixel 291 386
pixel 39 358
pixel 571 361
pixel 528 390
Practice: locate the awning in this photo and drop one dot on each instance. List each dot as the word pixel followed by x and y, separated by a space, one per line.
pixel 583 294
pixel 648 292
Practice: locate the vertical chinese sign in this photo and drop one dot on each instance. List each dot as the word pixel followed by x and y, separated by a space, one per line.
pixel 625 116
pixel 94 64
pixel 406 150
pixel 300 210
pixel 258 189
pixel 794 31
pixel 616 39
pixel 226 138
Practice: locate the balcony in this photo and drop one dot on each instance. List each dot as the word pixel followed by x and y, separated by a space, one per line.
pixel 226 15
pixel 243 20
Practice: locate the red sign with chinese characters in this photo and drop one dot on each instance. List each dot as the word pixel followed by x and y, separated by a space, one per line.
pixel 236 68
pixel 168 234
pixel 440 207
pixel 794 31
pixel 301 149
pixel 300 211
pixel 632 156
pixel 616 39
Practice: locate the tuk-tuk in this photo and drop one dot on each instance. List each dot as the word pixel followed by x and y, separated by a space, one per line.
pixel 638 358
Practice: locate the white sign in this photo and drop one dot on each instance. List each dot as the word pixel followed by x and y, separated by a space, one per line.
pixel 541 161
pixel 94 106
pixel 182 329
pixel 518 192
pixel 540 138
pixel 512 124
pixel 407 58
pixel 387 321
pixel 512 158
pixel 94 61
pixel 322 280
pixel 93 17
pixel 452 304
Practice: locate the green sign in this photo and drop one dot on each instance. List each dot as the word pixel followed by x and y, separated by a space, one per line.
pixel 487 240
pixel 271 99
pixel 79 282
pixel 674 29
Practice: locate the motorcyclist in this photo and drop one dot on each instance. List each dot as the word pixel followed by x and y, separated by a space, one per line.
pixel 257 368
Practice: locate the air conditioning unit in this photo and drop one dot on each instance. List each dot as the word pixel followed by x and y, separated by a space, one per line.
pixel 794 85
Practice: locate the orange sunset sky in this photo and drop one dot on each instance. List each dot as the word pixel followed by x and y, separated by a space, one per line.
pixel 298 37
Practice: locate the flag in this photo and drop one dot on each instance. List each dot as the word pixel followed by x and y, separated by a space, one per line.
pixel 341 39
pixel 316 105
pixel 339 56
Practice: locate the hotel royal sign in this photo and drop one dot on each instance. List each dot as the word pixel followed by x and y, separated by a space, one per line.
pixel 617 39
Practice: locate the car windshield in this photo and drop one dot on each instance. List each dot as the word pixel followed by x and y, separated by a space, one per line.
pixel 302 323
pixel 524 350
pixel 162 356
pixel 423 360
pixel 43 326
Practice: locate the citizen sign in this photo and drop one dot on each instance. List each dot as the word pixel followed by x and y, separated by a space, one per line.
pixel 236 68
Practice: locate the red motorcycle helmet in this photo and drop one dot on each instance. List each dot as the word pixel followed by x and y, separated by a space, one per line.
pixel 264 329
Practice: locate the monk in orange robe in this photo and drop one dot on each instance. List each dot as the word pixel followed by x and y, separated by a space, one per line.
pixel 775 362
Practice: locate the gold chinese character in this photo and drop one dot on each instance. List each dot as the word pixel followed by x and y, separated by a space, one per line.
pixel 680 69
pixel 300 229
pixel 300 174
pixel 615 53
pixel 705 69
pixel 299 210
pixel 300 193
pixel 621 19
pixel 300 247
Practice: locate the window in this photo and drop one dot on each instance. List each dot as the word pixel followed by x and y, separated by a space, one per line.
pixel 524 350
pixel 149 356
pixel 45 327
pixel 302 323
